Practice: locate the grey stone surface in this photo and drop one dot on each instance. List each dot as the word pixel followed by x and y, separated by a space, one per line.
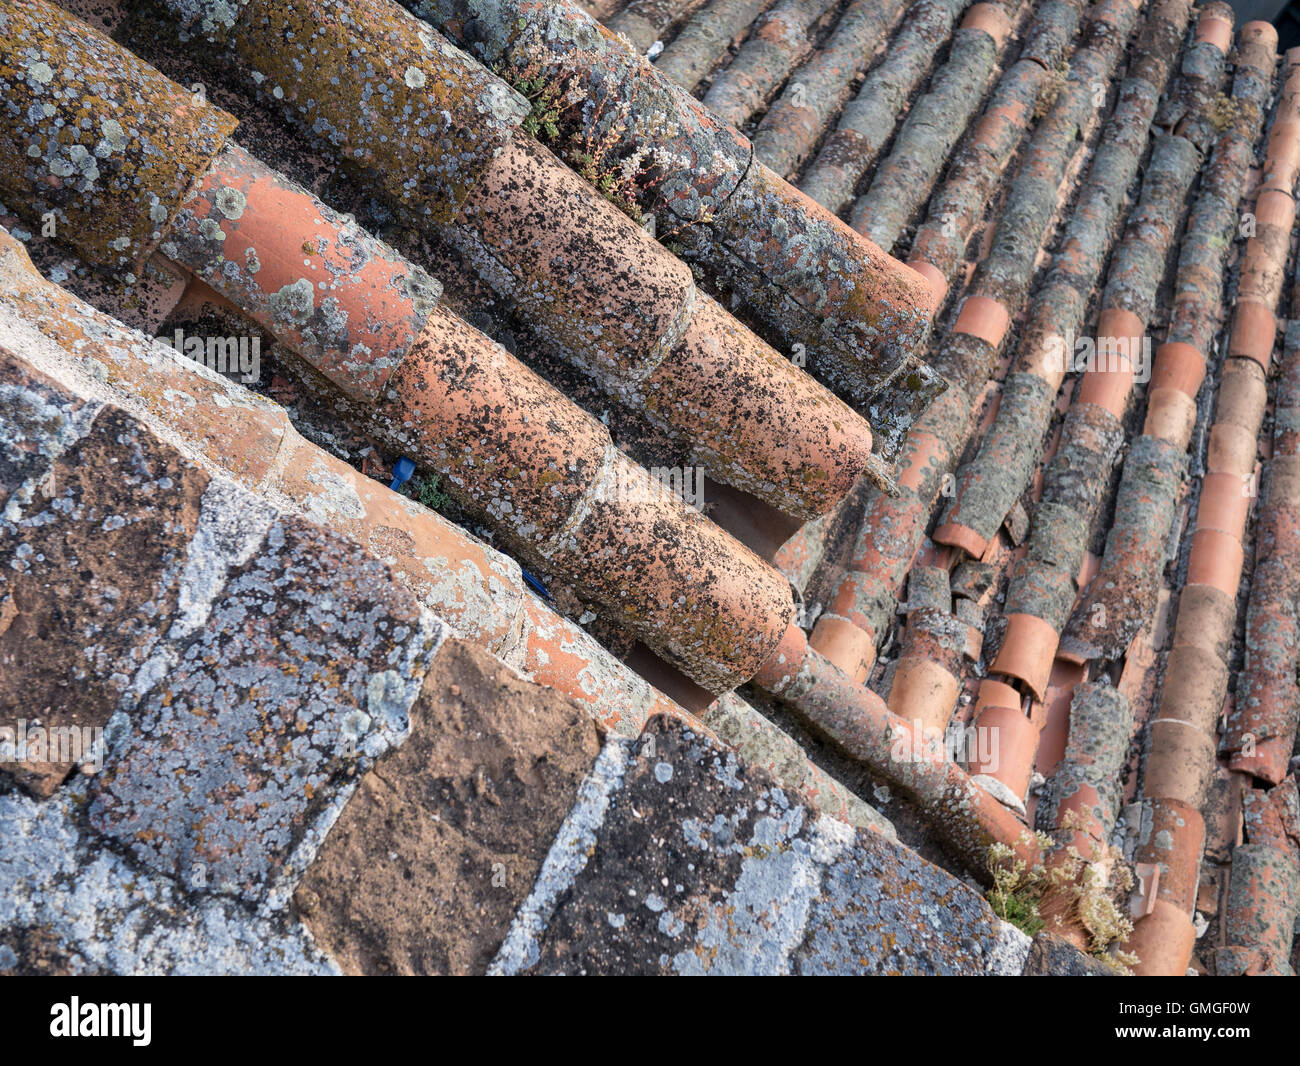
pixel 679 858
pixel 99 913
pixel 245 667
pixel 1052 956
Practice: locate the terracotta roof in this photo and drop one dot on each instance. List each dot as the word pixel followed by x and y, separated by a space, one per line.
pixel 949 582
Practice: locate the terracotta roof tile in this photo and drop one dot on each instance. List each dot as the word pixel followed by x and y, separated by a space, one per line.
pixel 778 42
pixel 866 123
pixel 478 590
pixel 657 281
pixel 1125 600
pixel 924 141
pixel 644 21
pixel 704 40
pixel 818 89
pixel 111 182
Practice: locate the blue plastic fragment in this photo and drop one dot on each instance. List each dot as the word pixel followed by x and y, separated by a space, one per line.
pixel 402 473
pixel 536 585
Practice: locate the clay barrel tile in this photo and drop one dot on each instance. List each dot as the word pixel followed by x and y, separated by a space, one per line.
pixel 1162 941
pixel 927 679
pixel 1214 218
pixel 1266 705
pixel 1254 328
pixel 618 306
pixel 1282 161
pixel 818 89
pixel 694 595
pixel 1224 504
pixel 777 43
pixel 1232 449
pixel 975 170
pixel 1263 265
pixel 1178 366
pixel 983 317
pixel 924 693
pixel 1180 763
pixel 636 104
pixel 1195 685
pixel 1216 560
pixel 1121 597
pixel 1215 29
pixel 934 123
pixel 1271 816
pixel 704 39
pixel 1184 109
pixel 936 279
pixel 1206 618
pixel 755 420
pixel 988 486
pixel 1172 837
pixel 95 136
pixel 873 114
pixel 1050 35
pixel 1005 753
pixel 423 119
pixel 994 693
pixel 344 301
pixel 780 669
pixel 479 591
pixel 856 719
pixel 545 471
pixel 850 647
pixel 991 18
pixel 1171 416
pixel 1261 904
pixel 866 312
pixel 1027 651
pixel 644 21
pixel 1101 719
pixel 1242 394
pixel 891 527
pixel 1119 342
pixel 597 286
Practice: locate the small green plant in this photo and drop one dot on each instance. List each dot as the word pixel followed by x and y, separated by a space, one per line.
pixel 1090 895
pixel 1016 890
pixel 591 135
pixel 425 490
pixel 1072 894
pixel 543 119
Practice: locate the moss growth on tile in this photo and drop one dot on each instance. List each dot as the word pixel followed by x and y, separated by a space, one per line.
pixel 1223 112
pixel 1052 87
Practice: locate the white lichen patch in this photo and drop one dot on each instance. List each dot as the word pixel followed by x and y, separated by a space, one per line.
pixel 107 914
pixel 113 134
pixel 230 202
pixel 294 302
pixel 39 72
